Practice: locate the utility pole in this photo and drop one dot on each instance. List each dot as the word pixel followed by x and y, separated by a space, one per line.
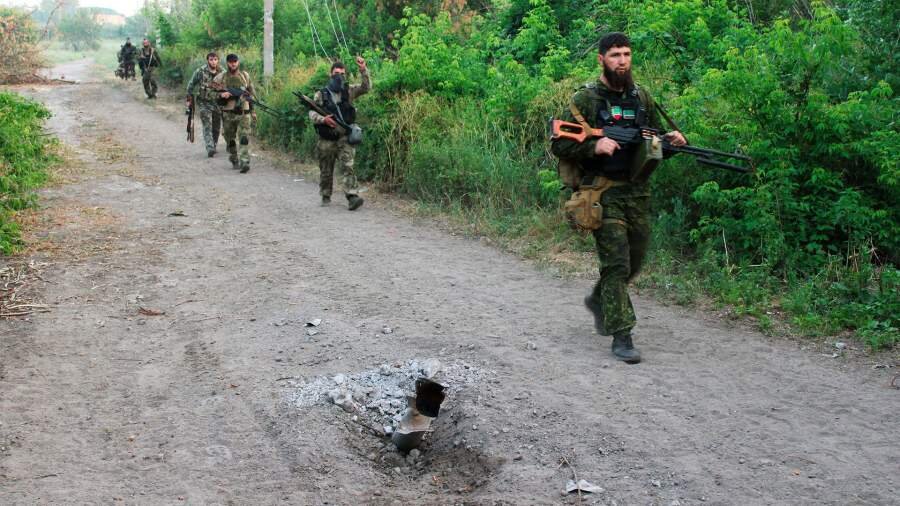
pixel 268 40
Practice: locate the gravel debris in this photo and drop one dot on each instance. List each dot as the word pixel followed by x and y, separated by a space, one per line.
pixel 381 394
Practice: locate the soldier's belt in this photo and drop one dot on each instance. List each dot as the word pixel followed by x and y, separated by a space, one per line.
pixel 237 112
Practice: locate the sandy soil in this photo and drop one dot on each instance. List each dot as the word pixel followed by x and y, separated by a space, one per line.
pixel 103 403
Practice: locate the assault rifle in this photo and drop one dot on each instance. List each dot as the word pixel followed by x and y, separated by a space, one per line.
pixel 244 95
pixel 652 146
pixel 311 104
pixel 353 131
pixel 189 112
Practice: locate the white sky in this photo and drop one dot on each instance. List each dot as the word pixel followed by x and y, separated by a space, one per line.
pixel 126 7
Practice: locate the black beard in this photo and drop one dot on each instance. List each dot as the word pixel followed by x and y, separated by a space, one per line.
pixel 618 81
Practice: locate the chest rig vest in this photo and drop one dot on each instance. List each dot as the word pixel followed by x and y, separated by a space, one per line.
pixel 344 111
pixel 624 109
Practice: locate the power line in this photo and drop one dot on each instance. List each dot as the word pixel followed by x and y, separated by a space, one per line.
pixel 337 14
pixel 315 32
pixel 334 28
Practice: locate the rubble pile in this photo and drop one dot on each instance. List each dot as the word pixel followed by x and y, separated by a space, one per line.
pixel 381 395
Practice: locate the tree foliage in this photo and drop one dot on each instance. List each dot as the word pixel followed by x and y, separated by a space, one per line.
pixel 19 53
pixel 80 30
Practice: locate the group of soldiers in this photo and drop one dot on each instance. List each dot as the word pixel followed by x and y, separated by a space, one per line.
pixel 147 59
pixel 225 98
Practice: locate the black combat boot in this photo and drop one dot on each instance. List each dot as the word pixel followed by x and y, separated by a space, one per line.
pixel 354 202
pixel 210 153
pixel 326 200
pixel 595 309
pixel 624 349
pixel 245 167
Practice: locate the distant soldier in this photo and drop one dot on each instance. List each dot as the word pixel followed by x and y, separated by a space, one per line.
pixel 126 58
pixel 337 98
pixel 234 84
pixel 207 101
pixel 148 60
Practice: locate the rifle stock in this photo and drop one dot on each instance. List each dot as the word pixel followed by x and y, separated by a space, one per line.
pixel 242 95
pixel 630 136
pixel 190 120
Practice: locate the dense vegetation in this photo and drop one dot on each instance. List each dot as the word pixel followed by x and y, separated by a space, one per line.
pixel 463 90
pixel 25 155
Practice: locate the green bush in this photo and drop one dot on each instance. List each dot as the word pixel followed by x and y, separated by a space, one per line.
pixel 25 155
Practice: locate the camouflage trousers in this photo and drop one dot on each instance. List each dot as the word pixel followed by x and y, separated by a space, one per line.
pixel 211 118
pixel 622 244
pixel 236 131
pixel 336 154
pixel 149 82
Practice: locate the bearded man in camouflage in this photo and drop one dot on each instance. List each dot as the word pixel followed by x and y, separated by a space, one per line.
pixel 236 111
pixel 623 237
pixel 207 101
pixel 333 147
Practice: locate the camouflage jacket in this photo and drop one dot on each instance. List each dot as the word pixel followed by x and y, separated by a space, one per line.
pixel 199 84
pixel 148 57
pixel 588 100
pixel 239 79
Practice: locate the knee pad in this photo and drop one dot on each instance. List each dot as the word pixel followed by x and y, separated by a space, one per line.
pixel 244 140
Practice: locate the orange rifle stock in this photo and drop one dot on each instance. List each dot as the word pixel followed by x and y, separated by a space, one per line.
pixel 560 129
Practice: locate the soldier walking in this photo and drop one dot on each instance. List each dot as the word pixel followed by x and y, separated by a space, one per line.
pixel 200 92
pixel 333 147
pixel 236 111
pixel 126 58
pixel 624 235
pixel 148 59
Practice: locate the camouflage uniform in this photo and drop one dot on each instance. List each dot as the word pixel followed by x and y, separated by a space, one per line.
pixel 207 104
pixel 236 118
pixel 623 239
pixel 126 59
pixel 338 151
pixel 149 60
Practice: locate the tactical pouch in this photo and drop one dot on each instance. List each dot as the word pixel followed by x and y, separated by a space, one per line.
pixel 355 136
pixel 583 209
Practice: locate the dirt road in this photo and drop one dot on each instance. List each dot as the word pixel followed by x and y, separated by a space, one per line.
pixel 212 402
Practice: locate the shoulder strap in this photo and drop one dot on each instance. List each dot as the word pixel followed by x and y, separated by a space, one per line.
pixel 579 117
pixel 665 115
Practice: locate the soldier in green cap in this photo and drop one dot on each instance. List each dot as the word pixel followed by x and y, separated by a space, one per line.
pixel 236 111
pixel 624 232
pixel 201 93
